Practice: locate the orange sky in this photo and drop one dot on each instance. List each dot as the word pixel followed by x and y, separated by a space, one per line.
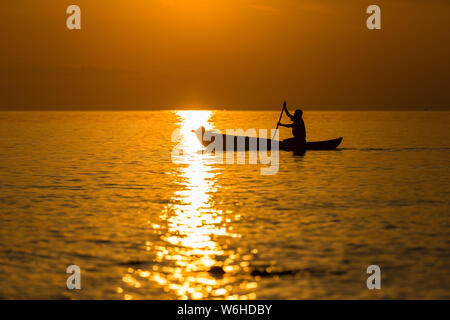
pixel 152 54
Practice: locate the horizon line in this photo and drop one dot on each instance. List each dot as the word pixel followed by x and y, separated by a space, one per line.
pixel 446 108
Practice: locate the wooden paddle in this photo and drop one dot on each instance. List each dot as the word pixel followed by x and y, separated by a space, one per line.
pixel 282 110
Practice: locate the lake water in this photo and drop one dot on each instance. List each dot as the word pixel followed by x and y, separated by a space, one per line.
pixel 101 190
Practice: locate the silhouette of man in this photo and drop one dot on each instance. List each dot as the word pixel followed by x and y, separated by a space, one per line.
pixel 297 125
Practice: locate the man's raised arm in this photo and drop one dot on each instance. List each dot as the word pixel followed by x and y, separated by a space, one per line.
pixel 287 112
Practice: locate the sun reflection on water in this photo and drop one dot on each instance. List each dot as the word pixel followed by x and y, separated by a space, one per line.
pixel 195 260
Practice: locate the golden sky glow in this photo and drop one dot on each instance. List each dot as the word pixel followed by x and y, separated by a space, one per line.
pixel 224 53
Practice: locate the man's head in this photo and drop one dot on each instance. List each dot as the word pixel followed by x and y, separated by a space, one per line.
pixel 298 114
